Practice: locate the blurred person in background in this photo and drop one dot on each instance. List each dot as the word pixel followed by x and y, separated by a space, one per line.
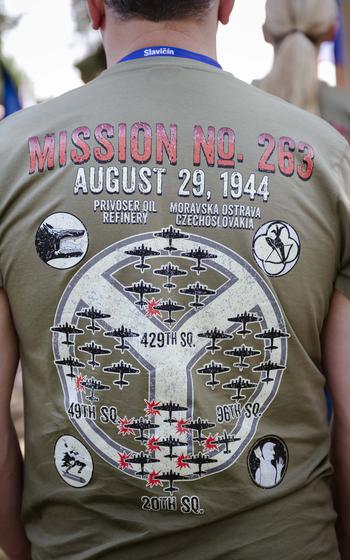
pixel 173 244
pixel 296 29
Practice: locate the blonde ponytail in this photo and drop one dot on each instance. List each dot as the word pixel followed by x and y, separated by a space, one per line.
pixel 295 28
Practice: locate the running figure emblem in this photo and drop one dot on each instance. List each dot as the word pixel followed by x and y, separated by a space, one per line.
pixel 276 248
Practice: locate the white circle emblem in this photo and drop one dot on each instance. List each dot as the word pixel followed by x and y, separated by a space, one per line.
pixel 276 248
pixel 61 240
pixel 73 461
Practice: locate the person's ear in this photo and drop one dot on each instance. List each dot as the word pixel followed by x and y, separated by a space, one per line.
pixel 267 35
pixel 225 9
pixel 330 34
pixel 96 9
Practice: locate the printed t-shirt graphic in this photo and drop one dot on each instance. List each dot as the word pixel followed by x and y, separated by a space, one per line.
pixel 215 296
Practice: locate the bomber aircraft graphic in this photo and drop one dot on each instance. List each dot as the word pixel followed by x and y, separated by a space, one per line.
pixel 244 319
pixel 142 252
pixel 197 290
pixel 67 329
pixel 199 425
pixel 199 460
pixel 239 385
pixel 141 289
pixel 94 350
pixel 169 271
pixel 214 335
pixel 271 335
pixel 123 334
pixel 267 367
pixel 171 477
pixel 141 425
pixel 226 439
pixel 171 234
pixel 92 314
pixel 123 369
pixel 212 442
pixel 171 442
pixel 170 408
pixel 141 459
pixel 171 307
pixel 94 385
pixel 213 369
pixel 199 255
pixel 72 363
pixel 243 352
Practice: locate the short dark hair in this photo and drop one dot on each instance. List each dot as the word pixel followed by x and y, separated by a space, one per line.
pixel 159 10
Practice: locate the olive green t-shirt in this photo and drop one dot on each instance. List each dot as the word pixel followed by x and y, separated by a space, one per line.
pixel 335 107
pixel 170 241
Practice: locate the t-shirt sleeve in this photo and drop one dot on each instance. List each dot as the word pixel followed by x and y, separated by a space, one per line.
pixel 342 282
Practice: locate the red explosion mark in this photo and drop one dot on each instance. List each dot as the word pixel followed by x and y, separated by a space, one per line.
pixel 123 461
pixel 211 442
pixel 151 311
pixel 152 444
pixel 152 480
pixel 79 383
pixel 181 428
pixel 123 429
pixel 181 462
pixel 150 408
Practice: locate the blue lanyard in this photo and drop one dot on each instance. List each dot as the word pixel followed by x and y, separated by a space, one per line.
pixel 150 52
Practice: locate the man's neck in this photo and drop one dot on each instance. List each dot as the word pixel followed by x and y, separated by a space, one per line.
pixel 126 37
